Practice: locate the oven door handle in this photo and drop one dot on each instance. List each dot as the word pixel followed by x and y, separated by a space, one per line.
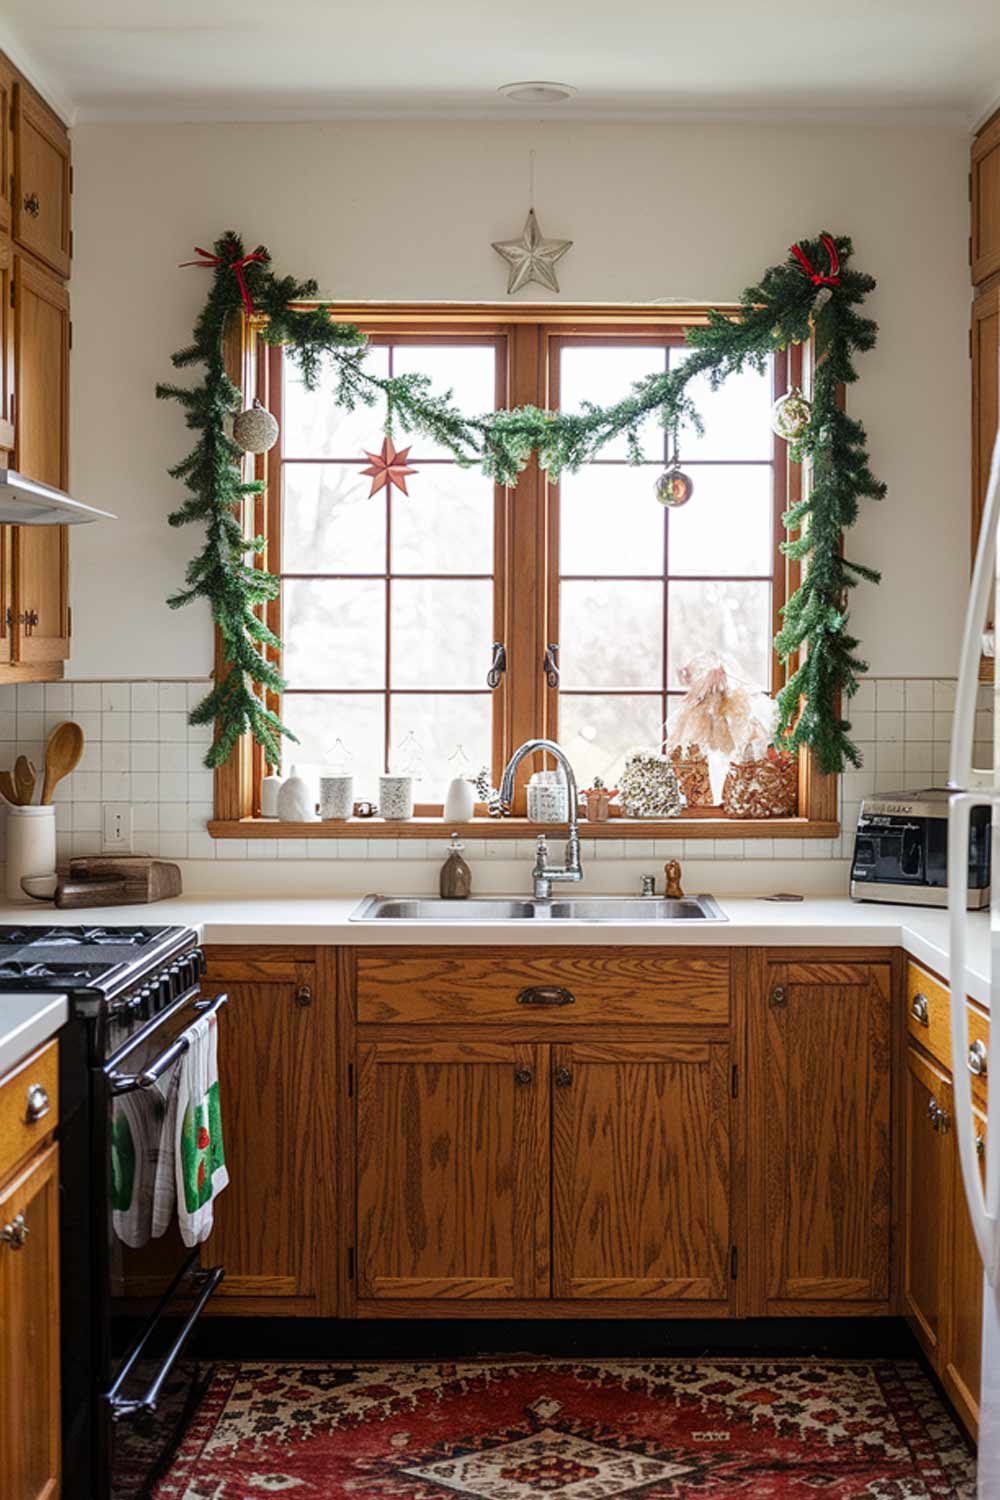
pixel 128 1083
pixel 120 1407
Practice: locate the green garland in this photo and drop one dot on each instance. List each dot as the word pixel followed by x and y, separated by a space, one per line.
pixel 784 307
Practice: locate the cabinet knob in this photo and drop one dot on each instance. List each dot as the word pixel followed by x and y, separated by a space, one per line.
pixel 920 1010
pixel 779 997
pixel 32 205
pixel 523 1076
pixel 562 1078
pixel 303 996
pixel 977 1059
pixel 37 1105
pixel 980 1143
pixel 15 1233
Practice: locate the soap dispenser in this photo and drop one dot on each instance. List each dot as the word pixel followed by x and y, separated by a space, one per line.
pixel 456 877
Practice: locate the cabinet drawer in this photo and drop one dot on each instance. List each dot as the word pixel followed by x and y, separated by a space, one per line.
pixel 550 986
pixel 928 1019
pixel 22 1126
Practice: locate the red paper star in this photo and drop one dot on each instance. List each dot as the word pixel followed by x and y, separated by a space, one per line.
pixel 388 468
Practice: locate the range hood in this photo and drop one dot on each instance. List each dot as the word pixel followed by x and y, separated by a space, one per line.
pixel 26 502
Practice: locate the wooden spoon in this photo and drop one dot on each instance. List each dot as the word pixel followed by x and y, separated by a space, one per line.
pixel 8 790
pixel 62 755
pixel 24 779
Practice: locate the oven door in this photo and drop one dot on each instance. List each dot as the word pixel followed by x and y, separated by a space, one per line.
pixel 154 1287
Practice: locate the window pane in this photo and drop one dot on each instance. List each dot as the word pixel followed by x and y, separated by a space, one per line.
pixel 446 523
pixel 733 619
pixel 596 733
pixel 315 427
pixel 468 371
pixel 441 633
pixel 610 521
pixel 604 373
pixel 726 527
pixel 329 525
pixel 611 635
pixel 439 722
pixel 334 633
pixel 737 416
pixel 319 720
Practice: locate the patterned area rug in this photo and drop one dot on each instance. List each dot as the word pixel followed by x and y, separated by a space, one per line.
pixel 520 1429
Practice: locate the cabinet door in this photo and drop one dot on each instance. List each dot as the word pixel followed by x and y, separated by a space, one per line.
pixel 820 1127
pixel 29 1333
pixel 963 1338
pixel 453 1170
pixel 41 380
pixel 640 1170
pixel 985 185
pixel 276 1066
pixel 6 350
pixel 927 1200
pixel 6 144
pixel 41 182
pixel 985 351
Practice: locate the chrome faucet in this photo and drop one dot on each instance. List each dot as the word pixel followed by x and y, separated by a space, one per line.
pixel 543 873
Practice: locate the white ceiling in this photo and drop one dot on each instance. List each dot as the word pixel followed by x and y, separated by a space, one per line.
pixel 905 60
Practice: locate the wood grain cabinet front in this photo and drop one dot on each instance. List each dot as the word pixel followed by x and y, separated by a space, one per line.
pixel 819 1071
pixel 42 183
pixel 984 191
pixel 927 1197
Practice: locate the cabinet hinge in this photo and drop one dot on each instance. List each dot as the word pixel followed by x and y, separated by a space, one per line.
pixel 71 188
pixel 69 619
pixel 350 1262
pixel 71 244
pixel 13 292
pixel 970 187
pixel 970 343
pixel 970 249
pixel 734 1082
pixel 733 1262
pixel 71 335
pixel 350 1080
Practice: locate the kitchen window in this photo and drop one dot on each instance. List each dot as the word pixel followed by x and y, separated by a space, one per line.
pixel 391 605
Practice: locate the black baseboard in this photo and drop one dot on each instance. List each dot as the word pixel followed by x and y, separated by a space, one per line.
pixel 332 1338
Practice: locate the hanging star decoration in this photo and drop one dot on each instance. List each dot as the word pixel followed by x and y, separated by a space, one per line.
pixel 388 468
pixel 532 257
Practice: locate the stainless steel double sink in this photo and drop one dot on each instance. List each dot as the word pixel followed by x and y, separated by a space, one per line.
pixel 527 909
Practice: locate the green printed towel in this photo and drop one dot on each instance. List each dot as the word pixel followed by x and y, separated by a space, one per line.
pixel 199 1159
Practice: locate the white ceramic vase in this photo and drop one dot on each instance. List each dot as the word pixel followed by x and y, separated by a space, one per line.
pixel 31 847
pixel 295 801
pixel 460 803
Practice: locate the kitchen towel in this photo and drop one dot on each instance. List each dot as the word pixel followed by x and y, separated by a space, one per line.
pixel 138 1140
pixel 200 1160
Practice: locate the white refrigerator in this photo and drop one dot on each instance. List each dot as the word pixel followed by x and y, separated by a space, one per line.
pixel 973 787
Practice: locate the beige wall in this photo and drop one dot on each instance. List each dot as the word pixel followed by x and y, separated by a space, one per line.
pixel 398 210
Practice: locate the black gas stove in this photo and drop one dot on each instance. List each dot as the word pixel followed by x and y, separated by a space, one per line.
pixel 130 1301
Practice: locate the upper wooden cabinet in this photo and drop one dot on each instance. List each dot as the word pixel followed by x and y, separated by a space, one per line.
pixel 40 554
pixel 6 143
pixel 984 350
pixel 985 193
pixel 42 182
pixel 6 346
pixel 820 1062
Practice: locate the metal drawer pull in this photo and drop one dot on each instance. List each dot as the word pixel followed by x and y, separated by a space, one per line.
pixel 123 1407
pixel 32 205
pixel 15 1233
pixel 38 1104
pixel 562 1077
pixel 977 1059
pixel 920 1010
pixel 546 994
pixel 980 1143
pixel 523 1075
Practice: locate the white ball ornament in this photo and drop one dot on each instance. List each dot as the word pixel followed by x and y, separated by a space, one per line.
pixel 255 430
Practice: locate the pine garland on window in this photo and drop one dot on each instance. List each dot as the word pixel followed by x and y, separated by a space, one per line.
pixel 790 301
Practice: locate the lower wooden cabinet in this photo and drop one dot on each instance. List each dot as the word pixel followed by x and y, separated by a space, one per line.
pixel 819 1072
pixel 927 1180
pixel 960 1367
pixel 275 1226
pixel 29 1331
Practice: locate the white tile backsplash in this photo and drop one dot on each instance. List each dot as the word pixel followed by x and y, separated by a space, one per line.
pixel 141 749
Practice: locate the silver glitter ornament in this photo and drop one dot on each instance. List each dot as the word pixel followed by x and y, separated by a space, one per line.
pixel 532 257
pixel 255 430
pixel 674 488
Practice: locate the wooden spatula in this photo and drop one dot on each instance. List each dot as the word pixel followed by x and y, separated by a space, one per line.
pixel 8 790
pixel 62 755
pixel 24 779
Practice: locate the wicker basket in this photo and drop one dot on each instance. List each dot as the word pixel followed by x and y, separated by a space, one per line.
pixel 767 788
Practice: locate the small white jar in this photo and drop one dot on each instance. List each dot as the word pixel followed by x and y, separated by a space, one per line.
pixel 31 847
pixel 395 798
pixel 269 788
pixel 336 798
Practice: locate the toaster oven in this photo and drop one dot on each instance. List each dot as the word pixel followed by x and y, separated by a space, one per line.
pixel 901 850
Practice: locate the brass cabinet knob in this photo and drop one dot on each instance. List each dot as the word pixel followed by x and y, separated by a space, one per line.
pixel 562 1077
pixel 920 1010
pixel 303 996
pixel 15 1233
pixel 523 1076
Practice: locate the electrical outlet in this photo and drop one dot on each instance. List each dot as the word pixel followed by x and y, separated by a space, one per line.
pixel 117 828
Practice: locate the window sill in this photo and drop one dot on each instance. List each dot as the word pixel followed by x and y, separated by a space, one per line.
pixel 520 828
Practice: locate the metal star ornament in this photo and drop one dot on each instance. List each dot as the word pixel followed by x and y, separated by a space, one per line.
pixel 532 257
pixel 388 468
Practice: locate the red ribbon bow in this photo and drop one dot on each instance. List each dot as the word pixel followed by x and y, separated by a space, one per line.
pixel 210 261
pixel 816 277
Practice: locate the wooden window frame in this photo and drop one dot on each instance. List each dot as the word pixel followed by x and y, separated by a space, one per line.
pixel 525 534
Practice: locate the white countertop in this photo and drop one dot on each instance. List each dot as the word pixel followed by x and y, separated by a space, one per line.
pixel 26 1021
pixel 752 922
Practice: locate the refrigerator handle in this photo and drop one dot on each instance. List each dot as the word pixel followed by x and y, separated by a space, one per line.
pixel 960 771
pixel 982 1206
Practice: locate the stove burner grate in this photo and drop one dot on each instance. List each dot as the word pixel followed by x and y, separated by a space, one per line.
pixel 75 937
pixel 66 973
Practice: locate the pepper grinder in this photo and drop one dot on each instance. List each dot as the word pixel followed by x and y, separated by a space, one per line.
pixel 456 877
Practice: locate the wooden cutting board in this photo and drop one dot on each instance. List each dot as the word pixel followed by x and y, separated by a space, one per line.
pixel 117 880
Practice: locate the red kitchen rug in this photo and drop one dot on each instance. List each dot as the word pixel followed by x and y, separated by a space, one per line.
pixel 519 1429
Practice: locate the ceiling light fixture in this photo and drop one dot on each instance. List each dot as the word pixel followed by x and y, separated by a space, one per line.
pixel 537 92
